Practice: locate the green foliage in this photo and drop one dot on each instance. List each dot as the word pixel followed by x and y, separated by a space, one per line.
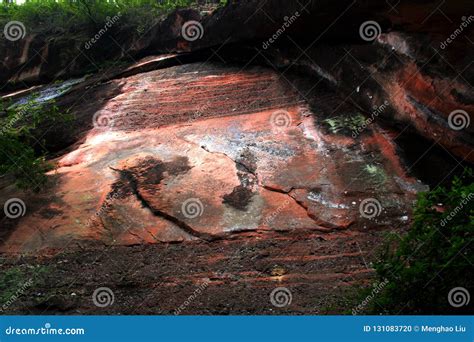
pixel 49 16
pixel 16 281
pixel 434 257
pixel 9 281
pixel 344 124
pixel 21 153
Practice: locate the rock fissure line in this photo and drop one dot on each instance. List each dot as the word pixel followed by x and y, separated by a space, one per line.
pixel 299 203
pixel 108 230
pixel 325 225
pixel 237 163
pixel 181 224
pixel 288 193
pixel 128 231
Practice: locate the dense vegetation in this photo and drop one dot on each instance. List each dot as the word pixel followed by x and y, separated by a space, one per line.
pixel 434 257
pixel 22 153
pixel 49 16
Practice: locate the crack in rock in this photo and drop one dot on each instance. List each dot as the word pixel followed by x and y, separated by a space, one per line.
pixel 127 175
pixel 237 163
pixel 324 225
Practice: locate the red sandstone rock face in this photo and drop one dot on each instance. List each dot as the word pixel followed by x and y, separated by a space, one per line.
pixel 422 82
pixel 427 102
pixel 201 152
pixel 37 58
pixel 178 171
pixel 399 82
pixel 185 171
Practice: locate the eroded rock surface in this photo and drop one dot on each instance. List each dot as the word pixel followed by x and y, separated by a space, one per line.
pixel 203 151
pixel 233 165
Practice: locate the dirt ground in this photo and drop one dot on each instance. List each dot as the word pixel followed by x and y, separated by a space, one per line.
pixel 236 276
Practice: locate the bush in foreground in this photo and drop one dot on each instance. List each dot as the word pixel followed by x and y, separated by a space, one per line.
pixel 425 269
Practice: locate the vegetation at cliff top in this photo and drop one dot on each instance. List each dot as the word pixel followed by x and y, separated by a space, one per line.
pixel 49 16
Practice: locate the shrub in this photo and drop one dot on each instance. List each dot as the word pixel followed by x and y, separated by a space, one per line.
pixel 17 281
pixel 21 153
pixel 434 257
